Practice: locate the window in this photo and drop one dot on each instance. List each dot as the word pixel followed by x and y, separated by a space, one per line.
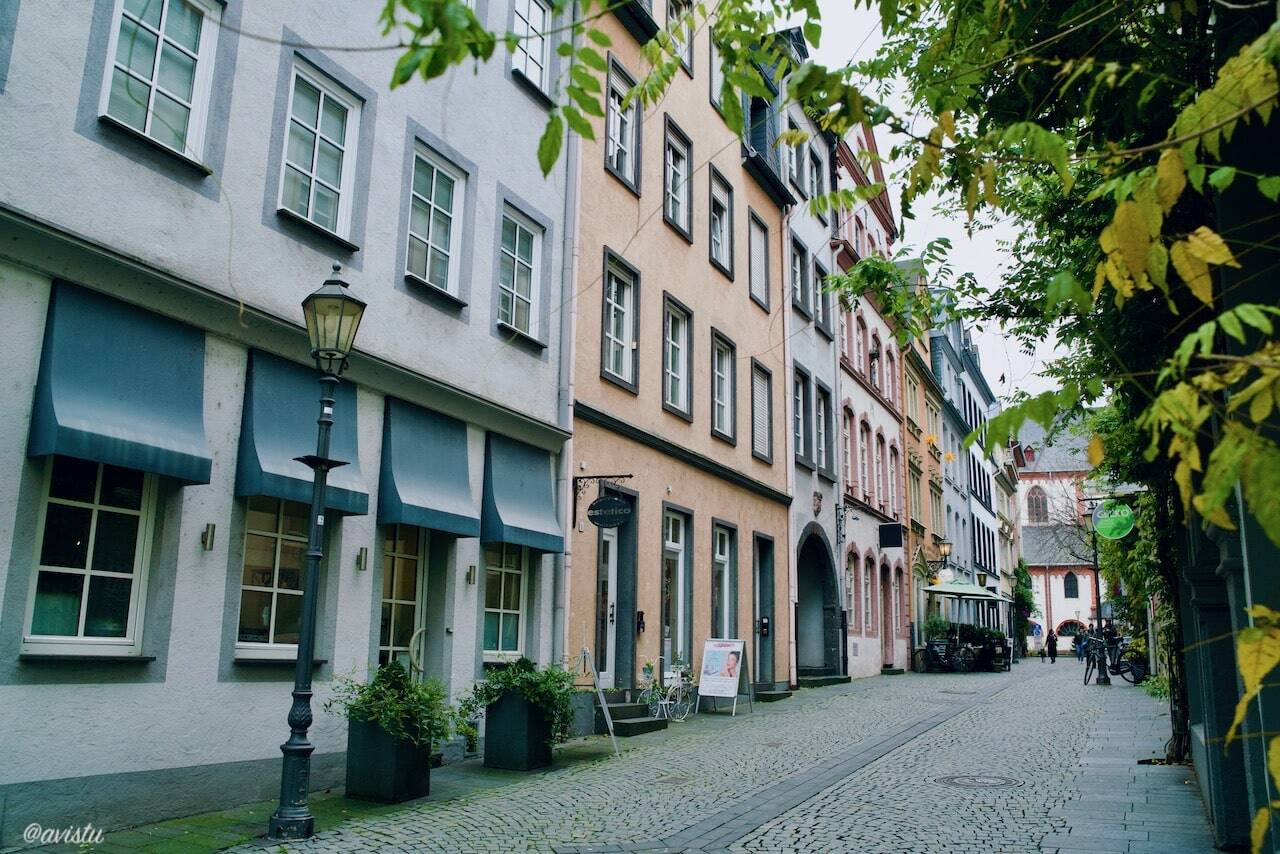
pixel 860 342
pixel 864 460
pixel 894 510
pixel 518 265
pixel 1070 586
pixel 761 413
pixel 432 237
pixel 879 463
pixel 680 24
pixel 716 73
pixel 793 156
pixel 890 378
pixel 1037 506
pixel 821 430
pixel 866 597
pixel 316 180
pixel 817 180
pixel 721 223
pixel 821 309
pixel 618 341
pixel 937 521
pixel 158 71
pixel 913 404
pixel 622 142
pixel 674 619
pixel 846 444
pixel 873 362
pixel 758 238
pixel 530 27
pixel 275 552
pixel 94 531
pixel 914 487
pixel 402 583
pixel 799 276
pixel 932 415
pixel 677 205
pixel 721 586
pixel 675 359
pixel 800 416
pixel 723 403
pixel 504 583
pixel 850 591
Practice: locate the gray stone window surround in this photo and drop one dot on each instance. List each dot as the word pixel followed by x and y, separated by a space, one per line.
pixel 800 302
pixel 452 304
pixel 109 133
pixel 543 97
pixel 765 304
pixel 828 471
pixel 619 71
pixel 687 514
pixel 824 324
pixel 613 258
pixel 672 132
pixel 36 669
pixel 8 29
pixel 718 524
pixel 759 367
pixel 287 223
pixel 715 177
pixel 718 337
pixel 804 454
pixel 670 302
pixel 535 345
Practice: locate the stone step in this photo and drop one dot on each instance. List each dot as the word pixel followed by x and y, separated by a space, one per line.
pixel 819 681
pixel 625 711
pixel 891 671
pixel 636 726
pixel 772 696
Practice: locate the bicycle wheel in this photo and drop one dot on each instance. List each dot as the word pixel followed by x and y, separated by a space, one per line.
pixel 1133 666
pixel 1089 665
pixel 962 661
pixel 681 703
pixel 920 661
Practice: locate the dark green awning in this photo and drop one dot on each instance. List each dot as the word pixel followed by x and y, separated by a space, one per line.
pixel 426 479
pixel 120 385
pixel 519 496
pixel 281 404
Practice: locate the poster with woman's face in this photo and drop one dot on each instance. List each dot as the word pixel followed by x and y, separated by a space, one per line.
pixel 722 668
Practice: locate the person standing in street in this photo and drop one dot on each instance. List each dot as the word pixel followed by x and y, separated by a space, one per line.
pixel 1077 644
pixel 1052 644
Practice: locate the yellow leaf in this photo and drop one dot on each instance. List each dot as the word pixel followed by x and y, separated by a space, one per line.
pixel 1258 833
pixel 971 196
pixel 1158 265
pixel 1206 245
pixel 1171 178
pixel 1217 516
pixel 1182 477
pixel 1273 760
pixel 1099 278
pixel 1193 270
pixel 1096 450
pixel 989 183
pixel 1132 236
pixel 1260 406
pixel 948 123
pixel 1257 654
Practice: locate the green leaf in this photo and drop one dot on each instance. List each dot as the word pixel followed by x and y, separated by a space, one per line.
pixel 1270 187
pixel 600 38
pixel 1195 174
pixel 812 32
pixel 565 48
pixel 1222 177
pixel 731 107
pixel 591 57
pixel 1231 325
pixel 578 123
pixel 1253 315
pixel 549 144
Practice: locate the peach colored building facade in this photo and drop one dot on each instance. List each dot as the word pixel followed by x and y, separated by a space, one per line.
pixel 679 380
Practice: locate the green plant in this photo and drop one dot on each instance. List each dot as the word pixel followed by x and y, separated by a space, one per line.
pixel 407 709
pixel 550 689
pixel 1157 686
pixel 936 626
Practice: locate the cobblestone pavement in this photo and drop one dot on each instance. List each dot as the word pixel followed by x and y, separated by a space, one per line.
pixel 848 768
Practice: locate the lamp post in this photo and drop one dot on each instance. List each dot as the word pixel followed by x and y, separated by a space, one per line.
pixel 944 551
pixel 333 316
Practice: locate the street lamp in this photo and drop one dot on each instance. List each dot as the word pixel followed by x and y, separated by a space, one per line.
pixel 1103 678
pixel 333 316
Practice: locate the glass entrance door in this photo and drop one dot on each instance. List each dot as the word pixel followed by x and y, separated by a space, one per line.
pixel 673 581
pixel 607 606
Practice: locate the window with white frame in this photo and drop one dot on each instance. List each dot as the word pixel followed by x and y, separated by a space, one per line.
pixel 505 567
pixel 800 415
pixel 675 359
pixel 721 222
pixel 799 274
pixel 674 571
pixel 680 23
pixel 937 521
pixel 793 156
pixel 879 463
pixel 866 597
pixel 320 152
pixel 275 553
pixel 402 590
pixel 159 66
pixel 860 344
pixel 819 298
pixel 530 29
pixel 894 510
pixel 817 181
pixel 864 460
pixel 93 536
pixel 722 391
pixel 619 322
pixel 721 588
pixel 715 72
pixel 435 202
pixel 758 238
pixel 913 404
pixel 761 411
pixel 518 265
pixel 846 444
pixel 915 489
pixel 821 424
pixel 677 206
pixel 623 129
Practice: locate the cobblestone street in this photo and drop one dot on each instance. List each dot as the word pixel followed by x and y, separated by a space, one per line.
pixel 937 763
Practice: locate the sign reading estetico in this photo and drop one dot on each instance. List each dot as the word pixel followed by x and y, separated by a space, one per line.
pixel 609 511
pixel 721 668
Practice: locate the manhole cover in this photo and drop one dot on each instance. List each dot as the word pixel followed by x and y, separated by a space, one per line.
pixel 674 781
pixel 977 781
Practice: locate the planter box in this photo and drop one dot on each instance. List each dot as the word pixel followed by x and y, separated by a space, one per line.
pixel 517 734
pixel 381 768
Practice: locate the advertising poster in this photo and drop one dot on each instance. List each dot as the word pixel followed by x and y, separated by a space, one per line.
pixel 721 668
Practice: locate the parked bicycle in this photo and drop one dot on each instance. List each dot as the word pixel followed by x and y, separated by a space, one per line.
pixel 674 697
pixel 1124 661
pixel 944 654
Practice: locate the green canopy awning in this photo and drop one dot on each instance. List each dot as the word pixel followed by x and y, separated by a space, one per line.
pixel 961 590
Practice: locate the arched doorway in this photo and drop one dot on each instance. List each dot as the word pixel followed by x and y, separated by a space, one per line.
pixel 886 616
pixel 817 607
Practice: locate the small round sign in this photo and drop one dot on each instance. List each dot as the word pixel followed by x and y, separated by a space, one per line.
pixel 609 511
pixel 1112 519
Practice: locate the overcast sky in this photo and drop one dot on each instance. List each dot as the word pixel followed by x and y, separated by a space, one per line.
pixel 856 32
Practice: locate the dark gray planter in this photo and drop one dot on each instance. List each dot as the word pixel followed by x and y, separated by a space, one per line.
pixel 517 734
pixel 384 769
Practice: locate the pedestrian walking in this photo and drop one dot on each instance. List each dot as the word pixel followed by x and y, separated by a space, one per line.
pixel 1077 644
pixel 1052 645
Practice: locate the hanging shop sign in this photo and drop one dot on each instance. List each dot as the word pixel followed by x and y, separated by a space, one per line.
pixel 609 511
pixel 1112 519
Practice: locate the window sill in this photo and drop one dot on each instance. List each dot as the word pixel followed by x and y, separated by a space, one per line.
pixel 677 227
pixel 682 414
pixel 828 476
pixel 435 292
pixel 763 305
pixel 632 186
pixel 805 463
pixel 614 379
pixel 133 132
pixel 290 216
pixel 802 310
pixel 97 658
pixel 724 437
pixel 251 659
pixel 728 273
pixel 519 336
pixel 826 330
pixel 532 89
pixel 767 459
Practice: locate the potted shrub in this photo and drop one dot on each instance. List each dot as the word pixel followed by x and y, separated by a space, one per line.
pixel 936 626
pixel 392 722
pixel 526 712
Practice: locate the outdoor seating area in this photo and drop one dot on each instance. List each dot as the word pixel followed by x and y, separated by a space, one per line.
pixel 962 648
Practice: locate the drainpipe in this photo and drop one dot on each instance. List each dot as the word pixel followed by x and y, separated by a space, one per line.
pixel 564 403
pixel 793 591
